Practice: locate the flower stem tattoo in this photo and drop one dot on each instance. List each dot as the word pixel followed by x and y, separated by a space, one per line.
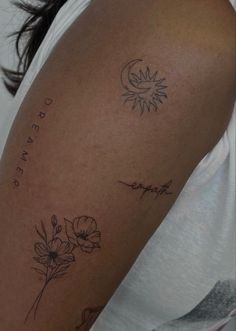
pixel 89 316
pixel 144 89
pixel 157 190
pixel 55 255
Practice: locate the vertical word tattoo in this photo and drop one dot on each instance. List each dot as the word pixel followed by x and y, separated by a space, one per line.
pixel 89 316
pixel 144 89
pixel 55 250
pixel 30 140
pixel 157 190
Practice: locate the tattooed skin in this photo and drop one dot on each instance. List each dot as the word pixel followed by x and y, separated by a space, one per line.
pixel 29 142
pixel 157 190
pixel 55 250
pixel 88 318
pixel 143 89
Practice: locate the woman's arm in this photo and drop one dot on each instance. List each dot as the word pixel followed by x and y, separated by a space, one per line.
pixel 101 148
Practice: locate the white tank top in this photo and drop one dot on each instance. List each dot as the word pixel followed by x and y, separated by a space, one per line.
pixel 184 279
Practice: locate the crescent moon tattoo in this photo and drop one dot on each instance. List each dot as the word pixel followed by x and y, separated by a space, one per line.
pixel 144 89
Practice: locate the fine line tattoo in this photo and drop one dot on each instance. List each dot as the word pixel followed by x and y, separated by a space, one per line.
pixel 157 190
pixel 24 157
pixel 54 254
pixel 89 316
pixel 144 89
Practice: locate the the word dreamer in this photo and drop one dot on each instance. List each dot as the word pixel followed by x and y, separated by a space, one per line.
pixel 30 140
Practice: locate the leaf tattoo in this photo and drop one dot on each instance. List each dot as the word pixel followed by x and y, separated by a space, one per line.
pixel 144 90
pixel 55 255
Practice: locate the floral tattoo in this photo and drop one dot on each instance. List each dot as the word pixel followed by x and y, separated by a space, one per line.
pixel 145 90
pixel 54 254
pixel 89 316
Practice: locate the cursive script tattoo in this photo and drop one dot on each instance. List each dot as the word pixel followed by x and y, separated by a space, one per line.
pixel 157 190
pixel 55 254
pixel 144 89
pixel 24 156
pixel 89 316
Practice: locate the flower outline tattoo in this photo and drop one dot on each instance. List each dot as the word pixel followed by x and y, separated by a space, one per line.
pixel 55 255
pixel 82 232
pixel 89 316
pixel 57 252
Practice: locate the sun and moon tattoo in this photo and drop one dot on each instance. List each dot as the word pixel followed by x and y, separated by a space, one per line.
pixel 59 242
pixel 143 89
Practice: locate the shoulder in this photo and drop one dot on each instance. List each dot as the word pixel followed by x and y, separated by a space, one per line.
pixel 216 22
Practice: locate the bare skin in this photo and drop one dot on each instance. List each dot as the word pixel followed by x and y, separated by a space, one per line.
pixel 100 175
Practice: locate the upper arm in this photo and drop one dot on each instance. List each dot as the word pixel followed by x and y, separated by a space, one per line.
pixel 80 159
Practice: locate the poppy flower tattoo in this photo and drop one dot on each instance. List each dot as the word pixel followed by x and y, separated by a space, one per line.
pixel 55 255
pixel 82 232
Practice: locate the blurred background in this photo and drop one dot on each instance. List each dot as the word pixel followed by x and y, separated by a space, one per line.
pixel 10 20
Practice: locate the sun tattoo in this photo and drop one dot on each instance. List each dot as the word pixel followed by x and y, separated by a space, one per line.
pixel 55 250
pixel 144 89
